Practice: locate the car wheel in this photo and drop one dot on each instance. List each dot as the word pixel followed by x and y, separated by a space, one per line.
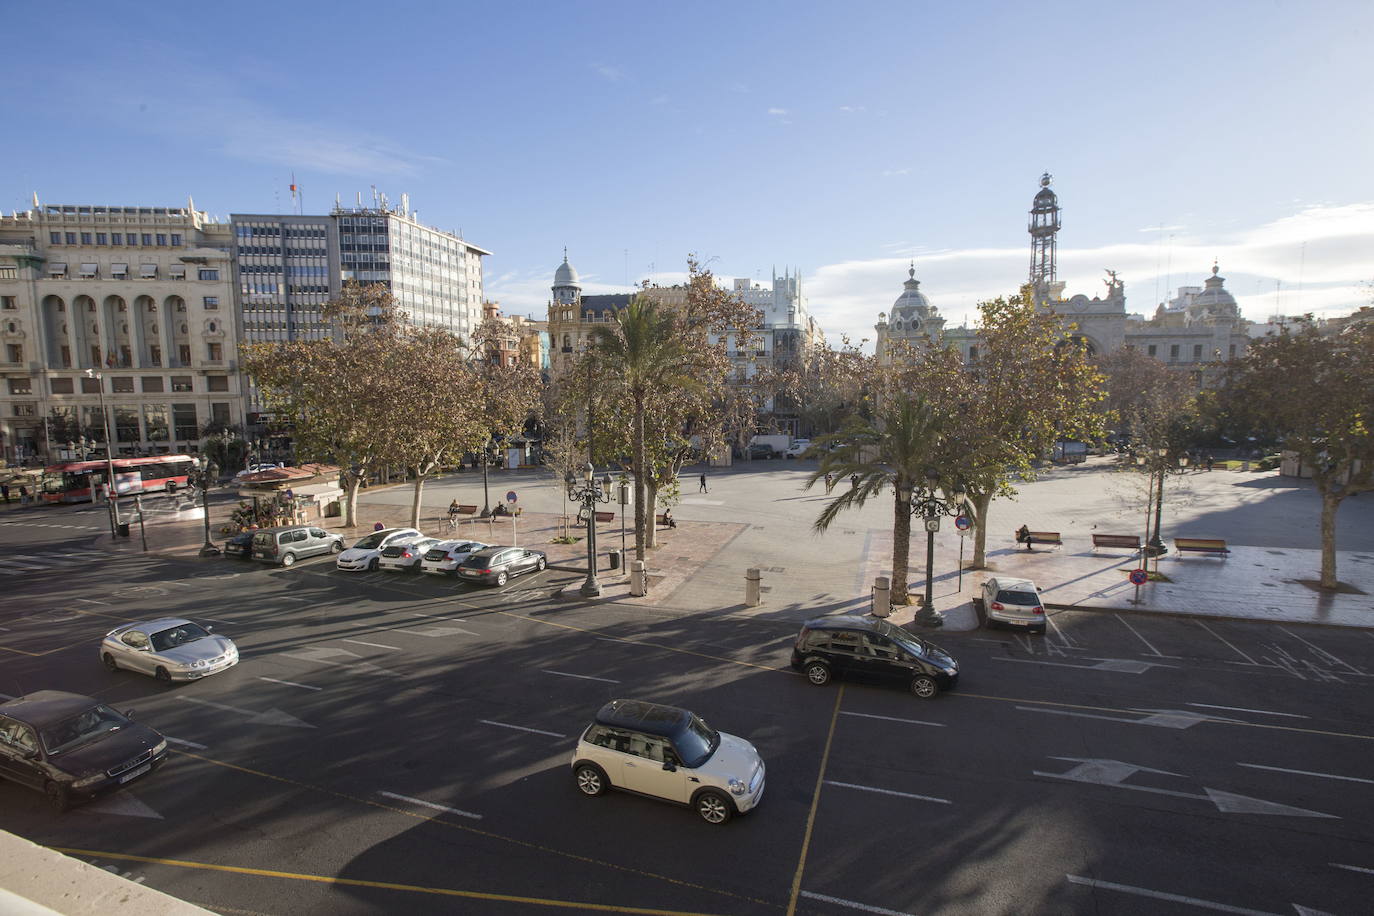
pixel 539 566
pixel 501 579
pixel 924 686
pixel 714 807
pixel 336 547
pixel 110 664
pixel 818 673
pixel 57 797
pixel 372 565
pixel 163 675
pixel 287 559
pixel 590 780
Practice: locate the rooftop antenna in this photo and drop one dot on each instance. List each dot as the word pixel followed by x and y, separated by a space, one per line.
pixel 1169 272
pixel 1159 258
pixel 1302 262
pixel 360 200
pixel 374 197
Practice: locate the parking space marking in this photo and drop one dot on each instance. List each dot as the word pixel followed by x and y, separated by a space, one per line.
pixel 1224 641
pixel 521 728
pixel 815 803
pixel 427 804
pixel 290 683
pixel 1258 712
pixel 1064 640
pixel 853 905
pixel 850 785
pixel 867 715
pixel 584 677
pixel 1138 636
pixel 1367 871
pixel 181 742
pixel 1321 653
pixel 1161 895
pixel 1119 665
pixel 436 631
pixel 5 696
pixel 375 645
pixel 1260 766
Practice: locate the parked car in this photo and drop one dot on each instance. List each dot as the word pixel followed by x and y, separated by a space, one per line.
pixel 169 649
pixel 286 544
pixel 867 648
pixel 240 545
pixel 444 558
pixel 494 565
pixel 759 451
pixel 255 468
pixel 797 449
pixel 73 748
pixel 405 555
pixel 1015 602
pixel 367 552
pixel 668 753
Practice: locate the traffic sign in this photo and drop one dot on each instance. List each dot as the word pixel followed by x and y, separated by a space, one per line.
pixel 510 497
pixel 1139 577
pixel 963 524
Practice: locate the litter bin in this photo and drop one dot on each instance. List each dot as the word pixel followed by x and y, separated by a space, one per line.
pixel 615 559
pixel 122 529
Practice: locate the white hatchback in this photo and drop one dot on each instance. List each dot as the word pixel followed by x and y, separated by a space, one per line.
pixel 364 555
pixel 404 555
pixel 444 558
pixel 1014 601
pixel 668 753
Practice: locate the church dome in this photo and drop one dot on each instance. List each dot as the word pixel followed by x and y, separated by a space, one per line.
pixel 1214 298
pixel 566 274
pixel 912 303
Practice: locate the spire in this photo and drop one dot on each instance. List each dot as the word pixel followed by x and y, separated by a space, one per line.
pixel 35 200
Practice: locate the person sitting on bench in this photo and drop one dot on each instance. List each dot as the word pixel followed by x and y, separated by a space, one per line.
pixel 668 519
pixel 1023 535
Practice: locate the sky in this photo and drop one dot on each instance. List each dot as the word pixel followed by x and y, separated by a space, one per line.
pixel 838 141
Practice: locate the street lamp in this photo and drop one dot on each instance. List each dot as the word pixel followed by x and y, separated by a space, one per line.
pixel 589 494
pixel 1155 458
pixel 927 504
pixel 112 490
pixel 208 471
pixel 486 496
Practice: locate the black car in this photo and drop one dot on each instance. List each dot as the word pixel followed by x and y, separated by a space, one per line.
pixel 868 648
pixel 497 564
pixel 73 748
pixel 759 451
pixel 240 545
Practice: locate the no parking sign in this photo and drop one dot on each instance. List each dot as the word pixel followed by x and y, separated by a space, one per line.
pixel 963 524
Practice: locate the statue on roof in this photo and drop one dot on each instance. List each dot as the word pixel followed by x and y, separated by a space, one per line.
pixel 1113 284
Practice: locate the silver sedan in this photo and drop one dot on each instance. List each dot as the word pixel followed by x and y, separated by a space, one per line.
pixel 169 649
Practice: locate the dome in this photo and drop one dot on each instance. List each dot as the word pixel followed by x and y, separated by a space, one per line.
pixel 1214 297
pixel 912 302
pixel 566 274
pixel 1045 195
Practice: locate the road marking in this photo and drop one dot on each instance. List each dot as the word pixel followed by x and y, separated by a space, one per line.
pixel 1137 635
pixel 537 731
pixel 1119 665
pixel 290 683
pixel 850 785
pixel 5 696
pixel 125 804
pixel 853 905
pixel 375 645
pixel 1064 640
pixel 388 885
pixel 866 715
pixel 1161 895
pixel 1163 718
pixel 427 804
pixel 324 655
pixel 1260 766
pixel 183 743
pixel 584 677
pixel 1367 871
pixel 271 717
pixel 1258 712
pixel 436 631
pixel 815 803
pixel 1321 653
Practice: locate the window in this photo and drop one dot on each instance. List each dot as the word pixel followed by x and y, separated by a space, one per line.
pixel 184 354
pixel 181 305
pixel 209 273
pixel 62 386
pixel 57 269
pixel 119 271
pixel 152 384
pixel 85 238
pixel 1150 350
pixel 210 302
pixel 126 424
pixel 26 410
pixel 147 239
pixel 148 271
pixel 89 385
pixel 214 352
pixel 88 271
pixel 217 383
pixel 1231 352
pixel 122 384
pixel 1197 353
pixel 184 424
pixel 155 357
pixel 219 413
pixel 161 240
pixel 22 385
pixel 7 302
pixel 155 421
pixel 130 239
pixel 65 356
pixel 71 238
pixel 1173 351
pixel 176 239
pixel 177 271
pixel 114 238
pixel 54 238
pixel 181 383
pixel 14 352
pixel 101 238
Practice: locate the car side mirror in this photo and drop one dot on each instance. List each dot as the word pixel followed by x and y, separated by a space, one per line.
pixel 128 713
pixel 209 629
pixel 670 766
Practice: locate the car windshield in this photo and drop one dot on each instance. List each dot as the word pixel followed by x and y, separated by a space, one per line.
pixel 697 742
pixel 80 728
pixel 908 641
pixel 372 541
pixel 178 635
pixel 1007 596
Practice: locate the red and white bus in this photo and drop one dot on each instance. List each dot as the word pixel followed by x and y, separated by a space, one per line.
pixel 71 481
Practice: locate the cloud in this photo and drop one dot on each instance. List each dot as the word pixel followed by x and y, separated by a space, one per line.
pixel 609 72
pixel 1162 229
pixel 853 109
pixel 888 173
pixel 778 112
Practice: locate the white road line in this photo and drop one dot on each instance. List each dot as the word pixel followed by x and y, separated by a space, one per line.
pixel 1260 766
pixel 1049 618
pixel 290 683
pixel 584 677
pixel 850 785
pixel 1161 895
pixel 1367 871
pixel 1320 651
pixel 867 908
pixel 5 696
pixel 375 645
pixel 1138 636
pixel 1218 636
pixel 1260 712
pixel 866 715
pixel 190 744
pixel 423 803
pixel 521 728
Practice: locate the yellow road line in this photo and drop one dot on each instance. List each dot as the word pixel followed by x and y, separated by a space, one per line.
pixel 383 885
pixel 434 819
pixel 815 803
pixel 21 652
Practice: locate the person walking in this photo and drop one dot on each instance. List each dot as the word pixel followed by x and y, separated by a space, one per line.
pixel 23 496
pixel 702 488
pixel 5 491
pixel 854 482
pixel 829 481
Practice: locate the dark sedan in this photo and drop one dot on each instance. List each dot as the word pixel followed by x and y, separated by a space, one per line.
pixel 494 565
pixel 240 545
pixel 73 748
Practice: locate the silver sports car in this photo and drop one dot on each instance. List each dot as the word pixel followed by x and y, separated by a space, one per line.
pixel 169 649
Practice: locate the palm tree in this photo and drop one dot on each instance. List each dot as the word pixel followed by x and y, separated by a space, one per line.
pixel 646 351
pixel 895 450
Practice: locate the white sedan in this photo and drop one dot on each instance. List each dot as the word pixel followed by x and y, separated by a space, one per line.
pixel 404 556
pixel 444 558
pixel 364 555
pixel 169 649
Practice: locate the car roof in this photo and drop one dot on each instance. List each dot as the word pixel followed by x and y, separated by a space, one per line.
pixel 653 718
pixel 47 706
pixel 847 622
pixel 150 626
pixel 1008 582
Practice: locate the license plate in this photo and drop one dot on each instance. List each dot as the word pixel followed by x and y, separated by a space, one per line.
pixel 134 774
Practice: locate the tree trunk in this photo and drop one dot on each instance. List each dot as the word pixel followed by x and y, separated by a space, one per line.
pixel 1330 503
pixel 901 547
pixel 640 475
pixel 350 483
pixel 415 499
pixel 650 529
pixel 980 502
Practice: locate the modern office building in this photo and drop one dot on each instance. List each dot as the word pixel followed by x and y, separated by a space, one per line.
pixel 131 308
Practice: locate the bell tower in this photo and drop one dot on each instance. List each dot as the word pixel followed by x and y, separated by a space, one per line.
pixel 1043 227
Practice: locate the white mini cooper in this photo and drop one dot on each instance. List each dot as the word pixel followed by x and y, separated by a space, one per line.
pixel 668 753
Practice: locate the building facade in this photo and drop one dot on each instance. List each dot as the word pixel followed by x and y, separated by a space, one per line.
pixel 130 306
pixel 572 316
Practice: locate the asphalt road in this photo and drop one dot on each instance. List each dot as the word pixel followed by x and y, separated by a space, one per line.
pixel 392 743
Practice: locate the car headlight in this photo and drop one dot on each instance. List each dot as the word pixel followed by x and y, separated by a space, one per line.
pixel 88 780
pixel 951 670
pixel 160 747
pixel 737 787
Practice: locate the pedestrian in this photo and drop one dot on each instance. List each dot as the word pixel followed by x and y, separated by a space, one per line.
pixel 1209 461
pixel 5 491
pixel 23 496
pixel 854 482
pixel 702 488
pixel 829 481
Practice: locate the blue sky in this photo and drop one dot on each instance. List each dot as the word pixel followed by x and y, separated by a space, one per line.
pixel 839 140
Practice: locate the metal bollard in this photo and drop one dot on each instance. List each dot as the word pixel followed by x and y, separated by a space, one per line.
pixel 752 577
pixel 882 597
pixel 639 579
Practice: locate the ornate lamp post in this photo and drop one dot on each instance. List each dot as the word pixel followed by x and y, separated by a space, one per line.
pixel 208 472
pixel 109 451
pixel 928 505
pixel 589 494
pixel 1156 459
pixel 486 496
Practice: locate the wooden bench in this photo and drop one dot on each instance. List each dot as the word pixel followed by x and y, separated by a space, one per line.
pixel 662 522
pixel 1042 537
pixel 467 510
pixel 1125 541
pixel 1211 546
pixel 605 517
